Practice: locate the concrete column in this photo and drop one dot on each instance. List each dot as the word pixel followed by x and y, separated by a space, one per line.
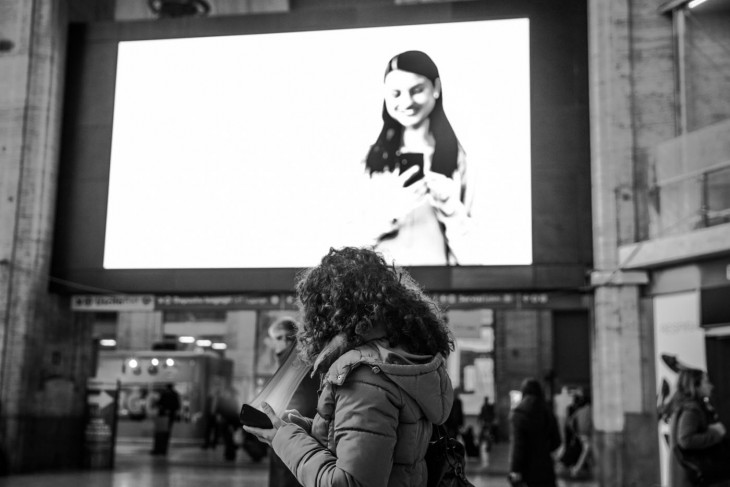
pixel 45 353
pixel 618 355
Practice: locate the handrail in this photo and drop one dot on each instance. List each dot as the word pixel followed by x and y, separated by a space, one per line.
pixel 693 174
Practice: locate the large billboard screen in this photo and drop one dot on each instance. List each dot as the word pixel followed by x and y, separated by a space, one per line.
pixel 249 151
pixel 225 154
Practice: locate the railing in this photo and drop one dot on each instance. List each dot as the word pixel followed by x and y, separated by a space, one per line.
pixel 693 200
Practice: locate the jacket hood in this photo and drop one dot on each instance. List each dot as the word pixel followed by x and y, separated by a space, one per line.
pixel 422 377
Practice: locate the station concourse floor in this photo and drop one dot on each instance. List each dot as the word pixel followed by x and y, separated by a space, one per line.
pixel 191 466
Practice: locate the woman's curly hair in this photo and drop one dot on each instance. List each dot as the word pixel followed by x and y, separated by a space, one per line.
pixel 354 290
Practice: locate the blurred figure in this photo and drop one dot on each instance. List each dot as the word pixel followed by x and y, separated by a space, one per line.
pixel 212 427
pixel 534 437
pixel 694 423
pixel 561 403
pixel 455 422
pixel 580 430
pixel 283 334
pixel 226 412
pixel 470 445
pixel 168 406
pixel 487 422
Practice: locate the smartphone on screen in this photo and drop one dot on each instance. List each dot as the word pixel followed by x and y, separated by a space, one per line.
pixel 250 416
pixel 408 160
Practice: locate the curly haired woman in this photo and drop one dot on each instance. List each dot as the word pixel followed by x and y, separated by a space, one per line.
pixel 380 345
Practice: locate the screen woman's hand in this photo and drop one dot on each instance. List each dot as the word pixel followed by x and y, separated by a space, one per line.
pixel 444 193
pixel 389 188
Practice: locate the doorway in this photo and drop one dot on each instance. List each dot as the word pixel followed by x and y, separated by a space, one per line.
pixel 571 350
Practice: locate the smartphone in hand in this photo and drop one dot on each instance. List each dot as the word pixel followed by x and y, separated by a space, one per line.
pixel 250 416
pixel 408 160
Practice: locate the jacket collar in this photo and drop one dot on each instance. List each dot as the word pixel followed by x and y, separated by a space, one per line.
pixel 422 377
pixel 337 347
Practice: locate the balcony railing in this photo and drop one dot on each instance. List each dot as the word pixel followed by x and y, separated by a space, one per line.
pixel 693 200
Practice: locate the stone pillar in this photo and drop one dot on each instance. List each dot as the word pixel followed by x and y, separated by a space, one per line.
pixel 619 357
pixel 45 352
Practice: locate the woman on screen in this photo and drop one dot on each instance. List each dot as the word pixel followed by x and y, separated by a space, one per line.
pixel 418 169
pixel 380 347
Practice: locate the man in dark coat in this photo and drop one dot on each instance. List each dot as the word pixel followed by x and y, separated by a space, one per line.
pixel 534 437
pixel 168 406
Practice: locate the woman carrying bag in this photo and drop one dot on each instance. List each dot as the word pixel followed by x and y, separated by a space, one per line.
pixel 697 435
pixel 380 346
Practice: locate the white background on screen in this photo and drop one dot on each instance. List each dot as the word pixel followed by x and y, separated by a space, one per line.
pixel 246 151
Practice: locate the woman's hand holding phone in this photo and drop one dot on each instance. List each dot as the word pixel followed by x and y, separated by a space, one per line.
pixel 266 435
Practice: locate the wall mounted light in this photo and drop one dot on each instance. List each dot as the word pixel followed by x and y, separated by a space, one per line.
pixel 178 8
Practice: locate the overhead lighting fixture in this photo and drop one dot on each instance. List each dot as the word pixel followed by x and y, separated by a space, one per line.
pixel 108 342
pixel 219 346
pixel 169 362
pixel 670 6
pixel 203 343
pixel 186 339
pixel 178 8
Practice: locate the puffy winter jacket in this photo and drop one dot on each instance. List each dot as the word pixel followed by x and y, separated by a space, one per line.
pixel 373 421
pixel 690 430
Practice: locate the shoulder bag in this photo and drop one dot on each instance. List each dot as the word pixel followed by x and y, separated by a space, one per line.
pixel 705 466
pixel 445 460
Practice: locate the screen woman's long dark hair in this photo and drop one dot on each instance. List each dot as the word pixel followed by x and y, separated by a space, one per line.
pixel 383 153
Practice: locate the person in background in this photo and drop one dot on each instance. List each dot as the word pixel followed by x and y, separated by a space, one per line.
pixel 470 445
pixel 226 413
pixel 427 219
pixel 487 419
pixel 581 425
pixel 487 422
pixel 694 423
pixel 455 423
pixel 212 420
pixel 561 402
pixel 380 345
pixel 168 406
pixel 534 436
pixel 283 334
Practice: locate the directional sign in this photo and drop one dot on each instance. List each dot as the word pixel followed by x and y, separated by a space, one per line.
pixel 101 419
pixel 102 399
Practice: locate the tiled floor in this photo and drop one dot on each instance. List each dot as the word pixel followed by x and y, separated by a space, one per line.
pixel 189 466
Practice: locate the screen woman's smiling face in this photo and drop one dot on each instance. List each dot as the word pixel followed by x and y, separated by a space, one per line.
pixel 410 97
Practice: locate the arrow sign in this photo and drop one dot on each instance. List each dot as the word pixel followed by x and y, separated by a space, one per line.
pixel 102 399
